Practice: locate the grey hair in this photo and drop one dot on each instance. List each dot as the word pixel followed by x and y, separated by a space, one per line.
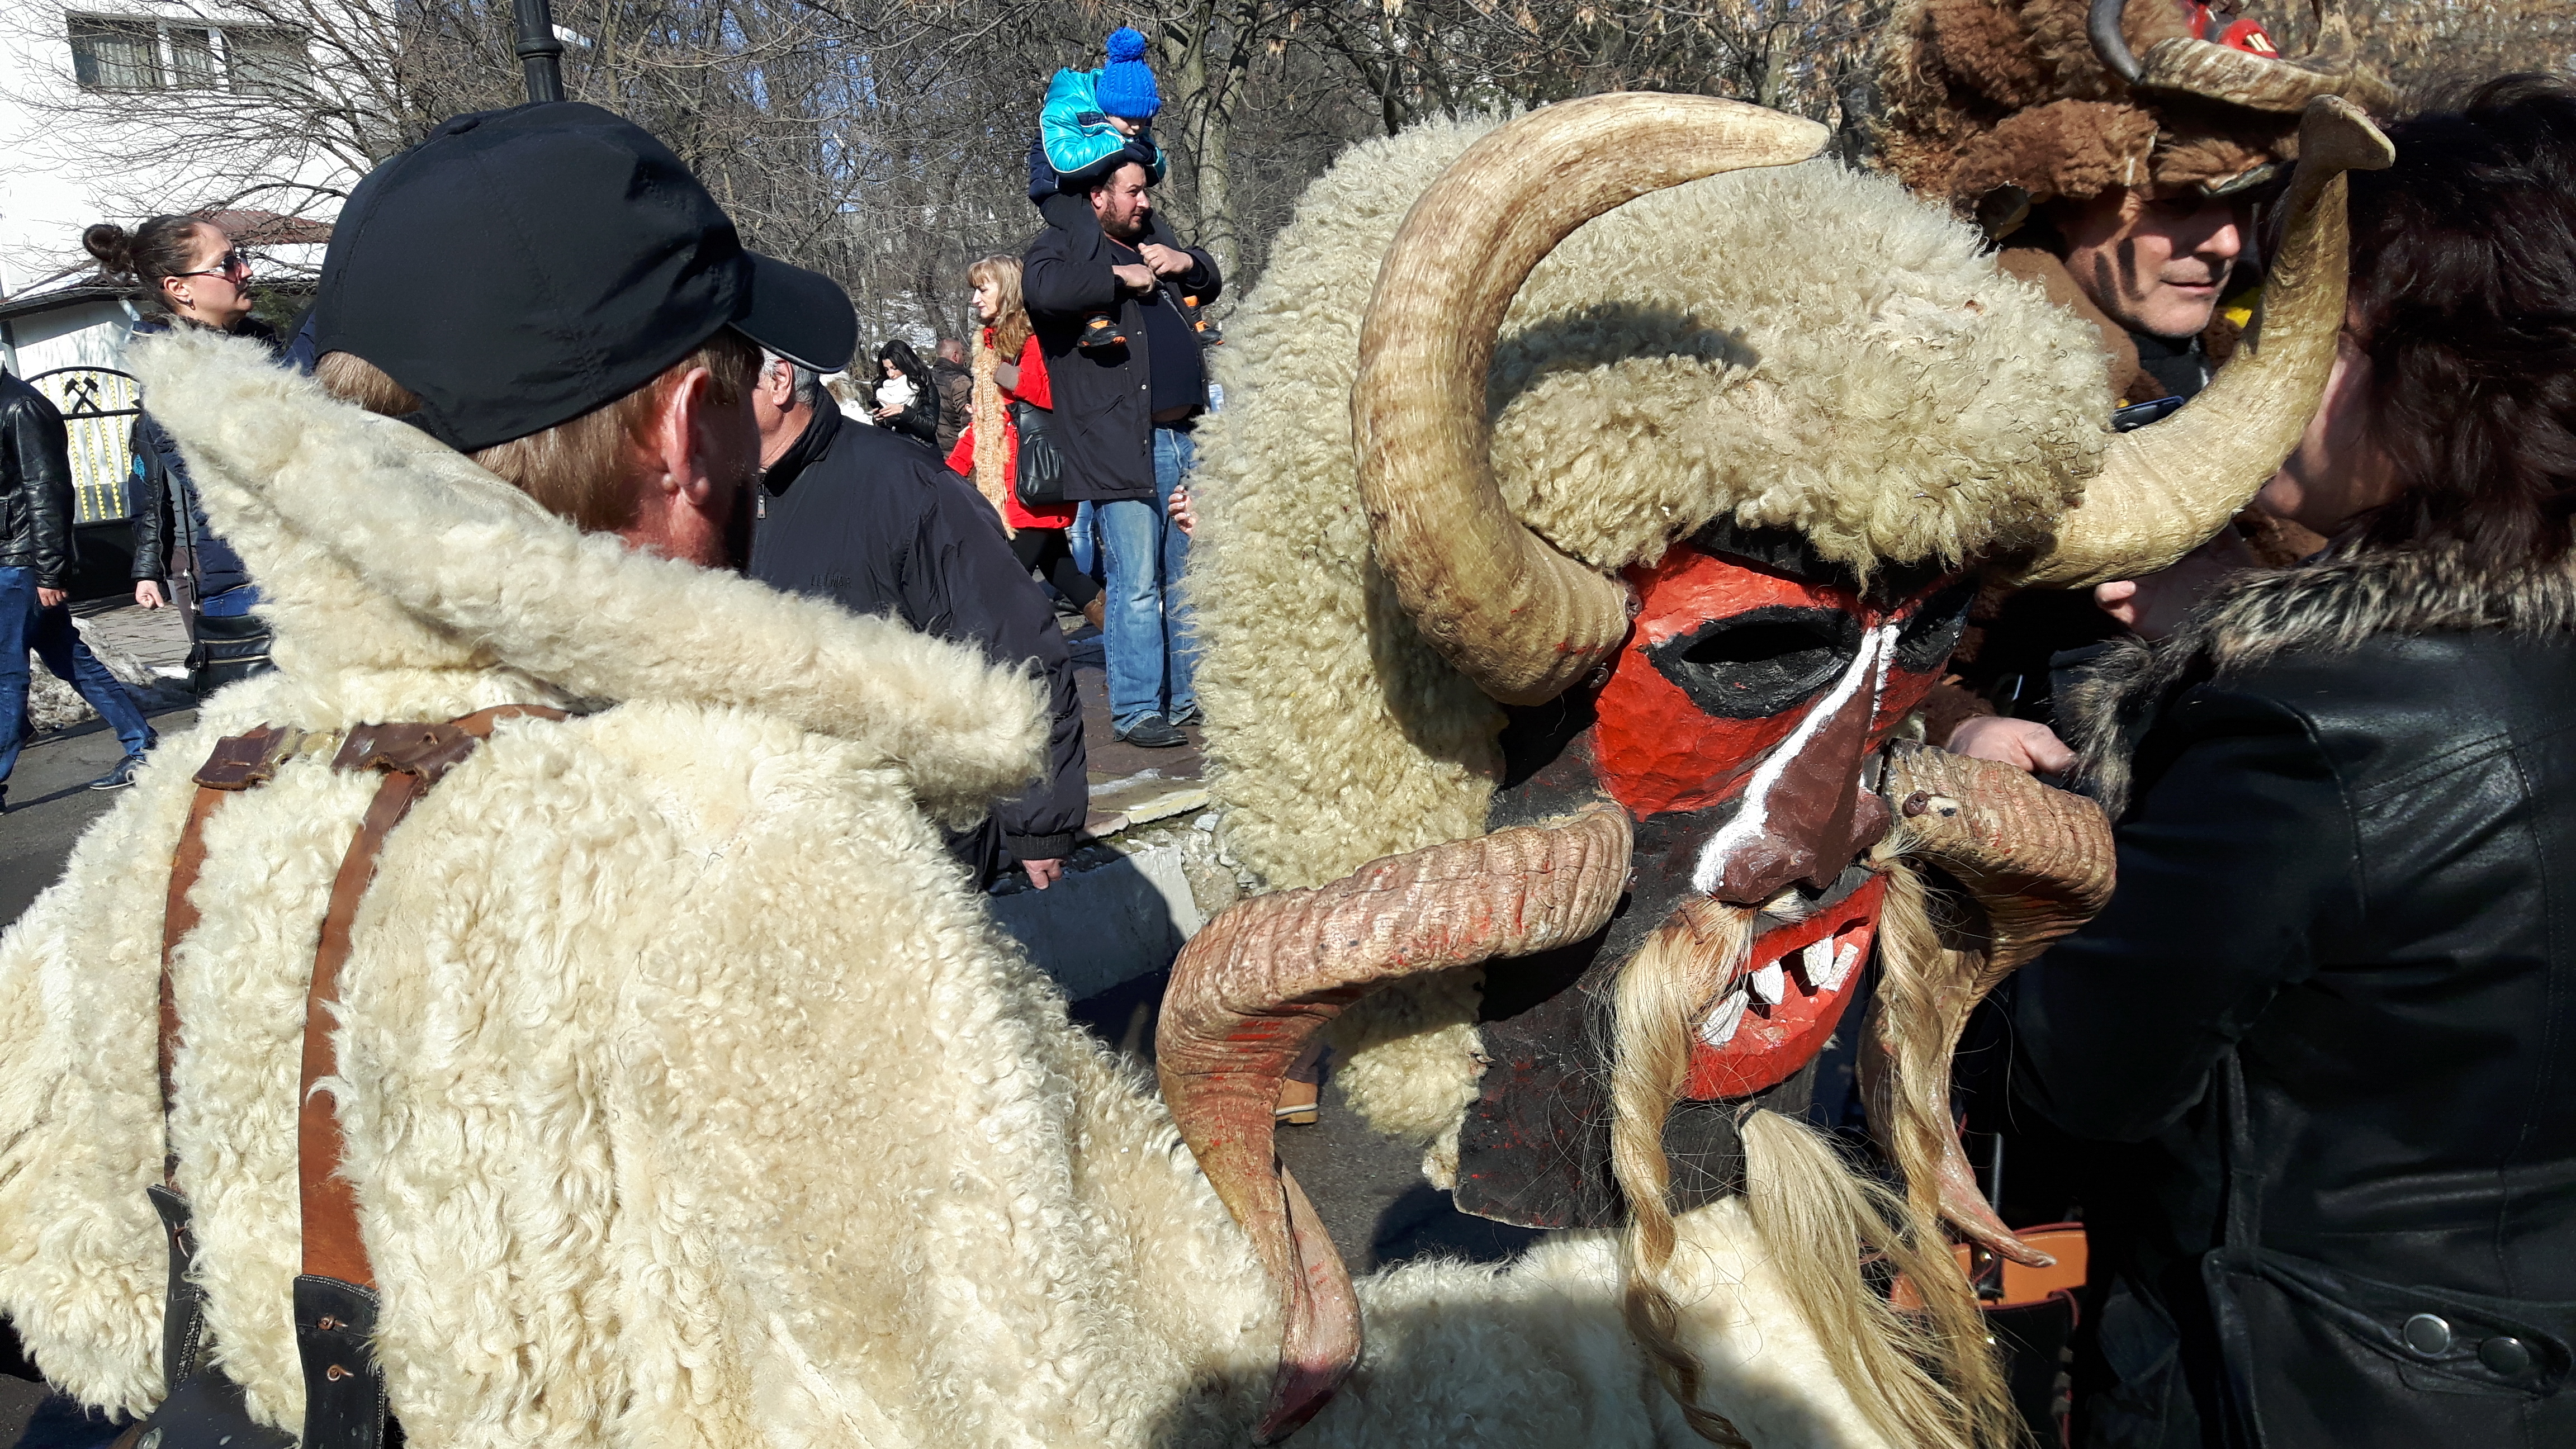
pixel 807 386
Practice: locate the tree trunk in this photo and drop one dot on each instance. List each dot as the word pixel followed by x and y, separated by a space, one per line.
pixel 1206 91
pixel 1777 50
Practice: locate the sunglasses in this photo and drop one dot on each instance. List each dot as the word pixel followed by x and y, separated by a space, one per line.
pixel 227 265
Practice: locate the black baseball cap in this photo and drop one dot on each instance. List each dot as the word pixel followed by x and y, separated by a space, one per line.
pixel 522 267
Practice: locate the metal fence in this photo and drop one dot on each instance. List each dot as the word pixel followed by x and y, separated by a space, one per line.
pixel 98 405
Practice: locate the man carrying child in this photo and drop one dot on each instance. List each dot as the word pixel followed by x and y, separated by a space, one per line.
pixel 1105 284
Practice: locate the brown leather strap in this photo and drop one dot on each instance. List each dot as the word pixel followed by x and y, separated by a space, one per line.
pixel 239 762
pixel 414 757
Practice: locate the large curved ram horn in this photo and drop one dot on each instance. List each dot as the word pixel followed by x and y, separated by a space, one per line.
pixel 1510 612
pixel 1256 984
pixel 2164 489
pixel 2191 66
pixel 2037 863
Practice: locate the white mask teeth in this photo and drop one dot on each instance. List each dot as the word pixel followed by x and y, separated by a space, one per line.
pixel 1827 964
pixel 1719 1028
pixel 1769 984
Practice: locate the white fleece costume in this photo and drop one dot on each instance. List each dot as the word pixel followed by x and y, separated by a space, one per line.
pixel 691 1097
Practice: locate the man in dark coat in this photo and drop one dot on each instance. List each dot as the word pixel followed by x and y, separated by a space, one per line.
pixel 35 582
pixel 872 521
pixel 1124 418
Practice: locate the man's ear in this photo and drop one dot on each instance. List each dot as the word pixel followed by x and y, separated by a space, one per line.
pixel 696 453
pixel 681 448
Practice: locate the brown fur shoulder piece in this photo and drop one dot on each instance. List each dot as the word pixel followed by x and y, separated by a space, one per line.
pixel 2329 606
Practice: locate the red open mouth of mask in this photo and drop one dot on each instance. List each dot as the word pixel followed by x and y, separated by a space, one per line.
pixel 1782 1010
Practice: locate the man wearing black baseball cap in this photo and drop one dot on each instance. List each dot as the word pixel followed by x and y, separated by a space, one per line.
pixel 645 1015
pixel 579 259
pixel 586 265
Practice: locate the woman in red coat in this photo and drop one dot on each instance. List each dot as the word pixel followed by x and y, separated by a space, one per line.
pixel 1010 369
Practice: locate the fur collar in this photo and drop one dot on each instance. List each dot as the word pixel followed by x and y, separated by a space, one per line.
pixel 382 552
pixel 2329 605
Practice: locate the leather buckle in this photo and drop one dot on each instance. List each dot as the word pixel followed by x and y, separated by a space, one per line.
pixel 251 758
pixel 409 747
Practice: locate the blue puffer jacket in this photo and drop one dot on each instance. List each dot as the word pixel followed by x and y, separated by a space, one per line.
pixel 1076 140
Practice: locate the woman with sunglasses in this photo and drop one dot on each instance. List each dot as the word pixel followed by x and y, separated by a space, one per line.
pixel 201 279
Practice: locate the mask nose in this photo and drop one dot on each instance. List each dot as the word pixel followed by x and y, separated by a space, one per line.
pixel 1805 815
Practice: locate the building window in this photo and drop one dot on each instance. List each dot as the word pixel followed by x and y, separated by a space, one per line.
pixel 110 54
pixel 116 55
pixel 267 59
pixel 192 58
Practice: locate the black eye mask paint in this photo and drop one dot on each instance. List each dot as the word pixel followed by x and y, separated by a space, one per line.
pixel 1759 663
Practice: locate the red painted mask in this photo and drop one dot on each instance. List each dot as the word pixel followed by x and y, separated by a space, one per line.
pixel 1739 725
pixel 1766 695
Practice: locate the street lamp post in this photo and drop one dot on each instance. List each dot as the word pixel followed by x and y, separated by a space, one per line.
pixel 540 53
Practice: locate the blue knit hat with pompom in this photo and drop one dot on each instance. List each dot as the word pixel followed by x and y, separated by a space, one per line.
pixel 1126 86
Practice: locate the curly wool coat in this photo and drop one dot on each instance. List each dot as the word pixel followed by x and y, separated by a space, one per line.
pixel 1805 347
pixel 691 1097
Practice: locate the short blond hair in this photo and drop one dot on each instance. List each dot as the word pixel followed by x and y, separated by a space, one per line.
pixel 577 469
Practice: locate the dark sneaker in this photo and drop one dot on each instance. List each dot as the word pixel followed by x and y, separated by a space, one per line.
pixel 1099 334
pixel 121 776
pixel 1153 732
pixel 1189 714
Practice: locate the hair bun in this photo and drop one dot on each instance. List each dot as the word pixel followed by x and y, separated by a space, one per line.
pixel 1126 43
pixel 112 245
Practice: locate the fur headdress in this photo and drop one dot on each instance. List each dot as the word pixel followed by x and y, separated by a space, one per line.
pixel 1991 102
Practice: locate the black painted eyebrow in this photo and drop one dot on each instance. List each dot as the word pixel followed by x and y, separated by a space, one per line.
pixel 1787 552
pixel 1781 550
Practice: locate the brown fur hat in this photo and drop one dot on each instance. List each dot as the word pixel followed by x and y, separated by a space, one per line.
pixel 1986 94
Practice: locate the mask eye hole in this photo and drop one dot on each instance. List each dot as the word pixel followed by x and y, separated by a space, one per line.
pixel 1760 663
pixel 1933 632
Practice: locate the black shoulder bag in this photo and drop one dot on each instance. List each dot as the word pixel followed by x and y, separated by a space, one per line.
pixel 1041 469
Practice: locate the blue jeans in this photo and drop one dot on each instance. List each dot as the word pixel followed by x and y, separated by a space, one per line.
pixel 1150 653
pixel 232 603
pixel 49 632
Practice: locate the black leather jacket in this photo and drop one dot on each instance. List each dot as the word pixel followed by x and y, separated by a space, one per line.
pixel 35 486
pixel 2324 1035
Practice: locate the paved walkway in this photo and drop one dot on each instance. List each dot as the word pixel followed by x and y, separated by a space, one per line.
pixel 157 639
pixel 1129 786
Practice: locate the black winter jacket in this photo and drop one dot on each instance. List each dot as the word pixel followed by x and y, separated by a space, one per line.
pixel 1103 421
pixel 35 486
pixel 162 487
pixel 874 523
pixel 2325 1032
